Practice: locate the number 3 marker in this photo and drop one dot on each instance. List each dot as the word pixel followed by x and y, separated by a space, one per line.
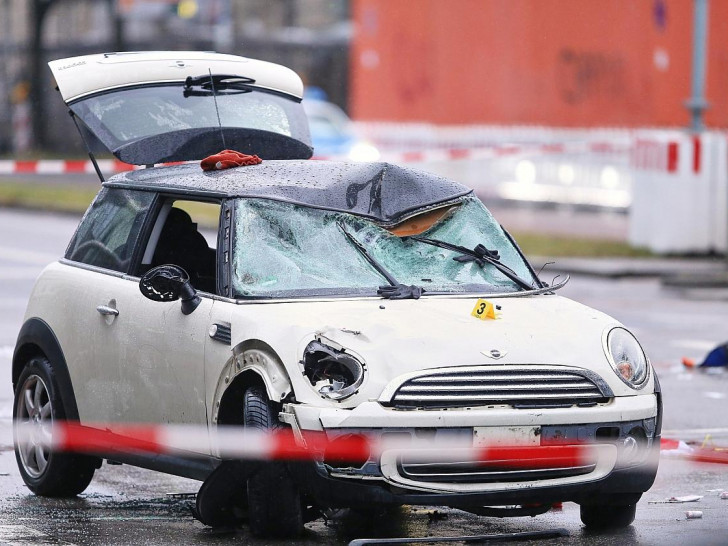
pixel 483 310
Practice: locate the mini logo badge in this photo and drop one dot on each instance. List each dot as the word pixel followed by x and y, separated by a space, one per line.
pixel 495 354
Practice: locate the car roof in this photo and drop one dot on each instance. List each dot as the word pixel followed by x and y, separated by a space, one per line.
pixel 384 192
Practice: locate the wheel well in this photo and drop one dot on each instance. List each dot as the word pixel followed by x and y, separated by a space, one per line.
pixel 231 405
pixel 22 356
pixel 36 338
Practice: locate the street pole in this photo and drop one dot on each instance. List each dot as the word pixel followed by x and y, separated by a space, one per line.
pixel 697 103
pixel 6 85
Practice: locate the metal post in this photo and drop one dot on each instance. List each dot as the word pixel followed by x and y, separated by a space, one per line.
pixel 6 85
pixel 697 103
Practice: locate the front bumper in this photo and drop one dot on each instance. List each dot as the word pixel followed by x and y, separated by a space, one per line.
pixel 388 480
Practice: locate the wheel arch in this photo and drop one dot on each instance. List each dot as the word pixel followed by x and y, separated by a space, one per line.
pixel 254 362
pixel 36 339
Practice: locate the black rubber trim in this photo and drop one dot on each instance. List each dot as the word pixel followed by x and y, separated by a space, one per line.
pixel 36 333
pixel 658 394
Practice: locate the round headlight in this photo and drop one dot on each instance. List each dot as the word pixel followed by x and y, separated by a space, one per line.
pixel 627 358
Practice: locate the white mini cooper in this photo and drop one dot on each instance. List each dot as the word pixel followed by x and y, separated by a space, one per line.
pixel 343 298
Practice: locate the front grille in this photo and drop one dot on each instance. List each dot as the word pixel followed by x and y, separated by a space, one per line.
pixel 470 472
pixel 520 386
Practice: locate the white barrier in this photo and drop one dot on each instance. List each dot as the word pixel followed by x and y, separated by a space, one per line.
pixel 679 192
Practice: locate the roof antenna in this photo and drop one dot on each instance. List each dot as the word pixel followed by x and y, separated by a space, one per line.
pixel 219 123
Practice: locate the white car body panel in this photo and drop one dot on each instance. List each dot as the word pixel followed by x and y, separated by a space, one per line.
pixel 80 76
pixel 432 332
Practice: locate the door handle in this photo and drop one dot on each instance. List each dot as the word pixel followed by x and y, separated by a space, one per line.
pixel 106 310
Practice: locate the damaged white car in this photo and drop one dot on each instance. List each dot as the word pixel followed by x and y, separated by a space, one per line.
pixel 342 298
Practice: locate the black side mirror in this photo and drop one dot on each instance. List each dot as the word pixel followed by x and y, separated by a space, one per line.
pixel 170 283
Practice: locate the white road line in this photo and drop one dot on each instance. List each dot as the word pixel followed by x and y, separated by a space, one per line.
pixel 21 535
pixel 697 344
pixel 683 432
pixel 19 273
pixel 27 256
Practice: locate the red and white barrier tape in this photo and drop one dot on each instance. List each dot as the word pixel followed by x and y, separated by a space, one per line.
pixel 59 166
pixel 251 444
pixel 680 450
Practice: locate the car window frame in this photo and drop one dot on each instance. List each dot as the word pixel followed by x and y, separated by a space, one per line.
pixel 133 259
pixel 160 199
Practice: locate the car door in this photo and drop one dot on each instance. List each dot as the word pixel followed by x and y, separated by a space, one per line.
pixel 95 295
pixel 161 363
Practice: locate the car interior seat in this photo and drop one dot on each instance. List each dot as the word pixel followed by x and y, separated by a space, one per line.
pixel 181 244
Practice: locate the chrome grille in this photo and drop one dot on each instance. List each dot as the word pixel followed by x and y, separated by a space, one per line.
pixel 521 386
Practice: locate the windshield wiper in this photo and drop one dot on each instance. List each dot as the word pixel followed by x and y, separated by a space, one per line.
pixel 209 85
pixel 395 290
pixel 481 256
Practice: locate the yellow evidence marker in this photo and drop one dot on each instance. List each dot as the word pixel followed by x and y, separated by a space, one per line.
pixel 483 310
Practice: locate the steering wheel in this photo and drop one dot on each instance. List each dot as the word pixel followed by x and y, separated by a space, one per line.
pixel 81 250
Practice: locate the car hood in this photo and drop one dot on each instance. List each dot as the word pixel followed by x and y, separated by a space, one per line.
pixel 395 338
pixel 167 106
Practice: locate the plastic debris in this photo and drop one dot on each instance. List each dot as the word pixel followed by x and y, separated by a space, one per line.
pixel 724 495
pixel 227 159
pixel 693 514
pixel 679 500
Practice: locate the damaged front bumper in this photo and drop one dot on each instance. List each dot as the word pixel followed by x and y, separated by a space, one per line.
pixel 623 435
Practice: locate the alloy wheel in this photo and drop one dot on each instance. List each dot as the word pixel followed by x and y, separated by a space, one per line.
pixel 34 415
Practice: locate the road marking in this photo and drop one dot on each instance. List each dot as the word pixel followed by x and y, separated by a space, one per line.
pixel 27 256
pixel 681 432
pixel 19 273
pixel 697 344
pixel 21 535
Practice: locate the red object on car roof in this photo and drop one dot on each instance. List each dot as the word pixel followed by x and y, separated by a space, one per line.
pixel 227 159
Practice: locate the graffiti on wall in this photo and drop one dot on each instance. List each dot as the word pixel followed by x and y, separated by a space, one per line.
pixel 585 75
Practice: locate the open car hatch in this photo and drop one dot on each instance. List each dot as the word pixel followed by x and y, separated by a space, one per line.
pixel 156 107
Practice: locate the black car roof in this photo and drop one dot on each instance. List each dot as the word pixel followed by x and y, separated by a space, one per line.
pixel 384 192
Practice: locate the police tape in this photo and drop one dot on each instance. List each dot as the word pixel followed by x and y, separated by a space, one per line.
pixel 60 166
pixel 245 443
pixel 677 449
pixel 238 442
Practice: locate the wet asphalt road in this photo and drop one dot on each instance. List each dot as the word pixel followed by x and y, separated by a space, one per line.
pixel 125 505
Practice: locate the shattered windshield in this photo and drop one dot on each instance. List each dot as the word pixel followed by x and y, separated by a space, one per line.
pixel 282 250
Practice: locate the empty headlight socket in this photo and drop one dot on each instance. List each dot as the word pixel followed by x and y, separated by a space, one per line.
pixel 335 373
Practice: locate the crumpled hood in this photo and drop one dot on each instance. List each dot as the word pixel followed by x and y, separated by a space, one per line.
pixel 397 337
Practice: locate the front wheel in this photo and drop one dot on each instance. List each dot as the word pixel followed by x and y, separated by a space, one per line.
pixel 36 408
pixel 607 516
pixel 274 503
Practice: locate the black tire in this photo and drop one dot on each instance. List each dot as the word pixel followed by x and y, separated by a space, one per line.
pixel 607 516
pixel 45 472
pixel 274 503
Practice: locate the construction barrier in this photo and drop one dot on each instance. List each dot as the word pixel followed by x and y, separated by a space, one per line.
pixel 679 192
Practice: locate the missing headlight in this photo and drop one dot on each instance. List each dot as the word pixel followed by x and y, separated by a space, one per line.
pixel 334 373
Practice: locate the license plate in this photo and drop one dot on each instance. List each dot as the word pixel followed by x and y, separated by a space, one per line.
pixel 506 436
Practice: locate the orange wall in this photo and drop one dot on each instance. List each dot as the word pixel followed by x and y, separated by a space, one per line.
pixel 552 62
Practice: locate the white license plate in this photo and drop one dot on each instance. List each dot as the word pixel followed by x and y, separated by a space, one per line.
pixel 506 436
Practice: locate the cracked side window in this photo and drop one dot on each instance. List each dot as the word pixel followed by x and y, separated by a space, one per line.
pixel 110 229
